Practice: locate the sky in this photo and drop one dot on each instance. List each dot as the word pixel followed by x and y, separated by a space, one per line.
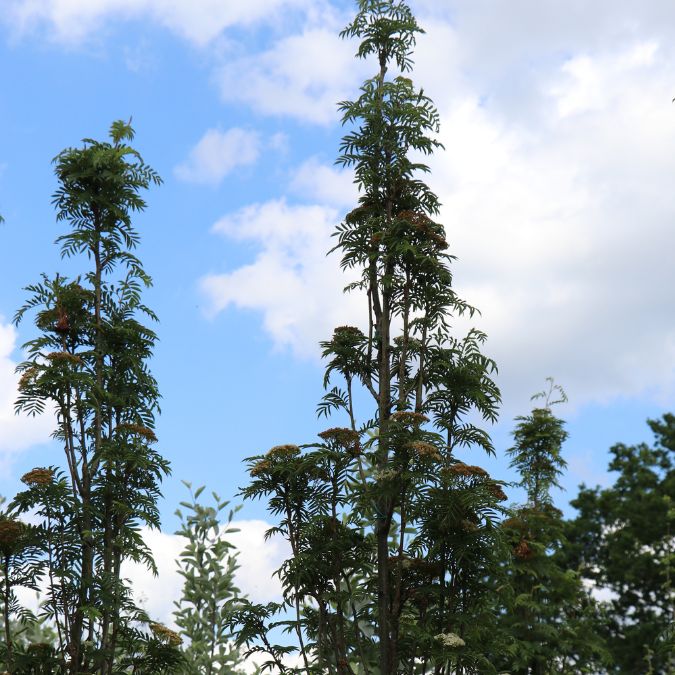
pixel 556 183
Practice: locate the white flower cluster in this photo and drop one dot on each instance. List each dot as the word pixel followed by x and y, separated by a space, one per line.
pixel 450 640
pixel 385 475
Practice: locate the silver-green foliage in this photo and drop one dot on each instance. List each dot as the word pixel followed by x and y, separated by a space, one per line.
pixel 207 564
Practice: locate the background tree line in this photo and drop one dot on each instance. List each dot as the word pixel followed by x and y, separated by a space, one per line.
pixel 404 559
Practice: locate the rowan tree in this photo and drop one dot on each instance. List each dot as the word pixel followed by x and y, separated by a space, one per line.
pixel 392 538
pixel 549 619
pixel 89 366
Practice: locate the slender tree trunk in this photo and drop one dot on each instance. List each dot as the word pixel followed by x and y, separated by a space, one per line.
pixel 87 579
pixel 383 597
pixel 383 522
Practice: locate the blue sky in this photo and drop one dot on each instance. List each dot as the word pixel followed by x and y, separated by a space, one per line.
pixel 556 183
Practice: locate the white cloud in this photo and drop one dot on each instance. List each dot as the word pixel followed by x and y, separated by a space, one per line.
pixel 157 594
pixel 562 221
pixel 279 142
pixel 258 559
pixel 587 82
pixel 198 21
pixel 556 179
pixel 291 281
pixel 564 230
pixel 17 432
pixel 140 57
pixel 301 76
pixel 323 184
pixel 218 153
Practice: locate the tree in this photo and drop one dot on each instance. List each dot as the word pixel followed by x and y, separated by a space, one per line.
pixel 392 537
pixel 623 542
pixel 88 363
pixel 207 564
pixel 17 553
pixel 27 643
pixel 548 616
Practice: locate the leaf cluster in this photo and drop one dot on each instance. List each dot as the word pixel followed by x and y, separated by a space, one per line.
pixel 207 564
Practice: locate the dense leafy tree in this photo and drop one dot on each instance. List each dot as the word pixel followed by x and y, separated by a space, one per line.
pixel 392 537
pixel 88 364
pixel 624 542
pixel 207 565
pixel 549 616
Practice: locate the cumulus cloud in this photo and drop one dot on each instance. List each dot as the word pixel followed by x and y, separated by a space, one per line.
pixel 258 559
pixel 556 179
pixel 218 153
pixel 156 594
pixel 198 21
pixel 291 281
pixel 16 432
pixel 560 210
pixel 324 184
pixel 563 231
pixel 301 76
